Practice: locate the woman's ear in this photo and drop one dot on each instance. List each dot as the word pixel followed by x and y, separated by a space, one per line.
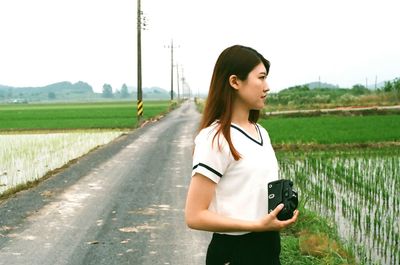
pixel 234 82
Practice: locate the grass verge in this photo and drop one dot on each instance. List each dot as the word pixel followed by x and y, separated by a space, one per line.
pixel 312 240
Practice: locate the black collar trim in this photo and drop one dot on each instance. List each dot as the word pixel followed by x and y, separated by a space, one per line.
pixel 248 136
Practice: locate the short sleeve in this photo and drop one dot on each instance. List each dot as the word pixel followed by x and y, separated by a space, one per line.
pixel 210 158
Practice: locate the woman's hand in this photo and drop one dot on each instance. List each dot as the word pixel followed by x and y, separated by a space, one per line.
pixel 271 222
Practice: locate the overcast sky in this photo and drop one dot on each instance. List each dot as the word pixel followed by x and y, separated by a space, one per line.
pixel 342 42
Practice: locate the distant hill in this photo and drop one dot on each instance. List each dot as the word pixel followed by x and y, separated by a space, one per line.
pixel 153 92
pixel 80 87
pixel 378 85
pixel 62 90
pixel 67 91
pixel 308 87
pixel 314 85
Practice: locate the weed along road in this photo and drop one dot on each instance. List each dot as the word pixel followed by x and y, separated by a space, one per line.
pixel 121 204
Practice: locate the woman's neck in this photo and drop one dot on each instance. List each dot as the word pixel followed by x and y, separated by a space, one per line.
pixel 240 115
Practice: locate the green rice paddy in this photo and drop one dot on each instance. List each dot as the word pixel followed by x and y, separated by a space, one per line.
pixel 333 129
pixel 107 115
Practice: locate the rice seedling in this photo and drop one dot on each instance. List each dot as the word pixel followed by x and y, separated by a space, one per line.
pixel 358 190
pixel 28 157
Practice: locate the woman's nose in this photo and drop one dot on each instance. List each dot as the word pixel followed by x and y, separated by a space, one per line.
pixel 266 88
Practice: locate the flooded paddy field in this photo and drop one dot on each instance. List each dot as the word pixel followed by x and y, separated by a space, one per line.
pixel 358 191
pixel 28 157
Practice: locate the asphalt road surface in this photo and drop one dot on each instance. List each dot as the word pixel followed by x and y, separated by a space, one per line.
pixel 121 204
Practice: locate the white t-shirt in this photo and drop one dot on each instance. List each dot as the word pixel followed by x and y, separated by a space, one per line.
pixel 241 190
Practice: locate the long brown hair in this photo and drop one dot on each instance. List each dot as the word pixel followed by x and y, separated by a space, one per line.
pixel 235 60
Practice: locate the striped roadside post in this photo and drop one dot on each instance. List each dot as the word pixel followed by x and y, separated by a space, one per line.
pixel 140 108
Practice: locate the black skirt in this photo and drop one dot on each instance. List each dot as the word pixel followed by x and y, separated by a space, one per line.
pixel 249 249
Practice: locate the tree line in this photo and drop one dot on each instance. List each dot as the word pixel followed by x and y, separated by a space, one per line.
pixel 108 92
pixel 392 86
pixel 304 96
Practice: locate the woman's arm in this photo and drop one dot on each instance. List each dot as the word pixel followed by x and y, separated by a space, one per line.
pixel 197 215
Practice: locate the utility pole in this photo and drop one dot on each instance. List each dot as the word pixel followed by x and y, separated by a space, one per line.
pixel 172 66
pixel 172 70
pixel 139 64
pixel 183 84
pixel 177 78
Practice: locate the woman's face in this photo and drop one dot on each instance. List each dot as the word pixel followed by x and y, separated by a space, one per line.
pixel 252 92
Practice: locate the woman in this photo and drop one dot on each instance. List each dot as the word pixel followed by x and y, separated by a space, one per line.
pixel 233 161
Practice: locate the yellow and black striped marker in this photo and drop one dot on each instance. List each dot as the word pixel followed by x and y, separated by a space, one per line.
pixel 140 108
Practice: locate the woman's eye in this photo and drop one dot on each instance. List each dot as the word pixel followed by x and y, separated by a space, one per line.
pixel 263 77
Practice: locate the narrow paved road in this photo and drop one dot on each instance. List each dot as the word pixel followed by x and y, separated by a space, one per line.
pixel 121 204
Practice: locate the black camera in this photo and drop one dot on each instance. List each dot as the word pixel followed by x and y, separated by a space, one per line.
pixel 281 191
